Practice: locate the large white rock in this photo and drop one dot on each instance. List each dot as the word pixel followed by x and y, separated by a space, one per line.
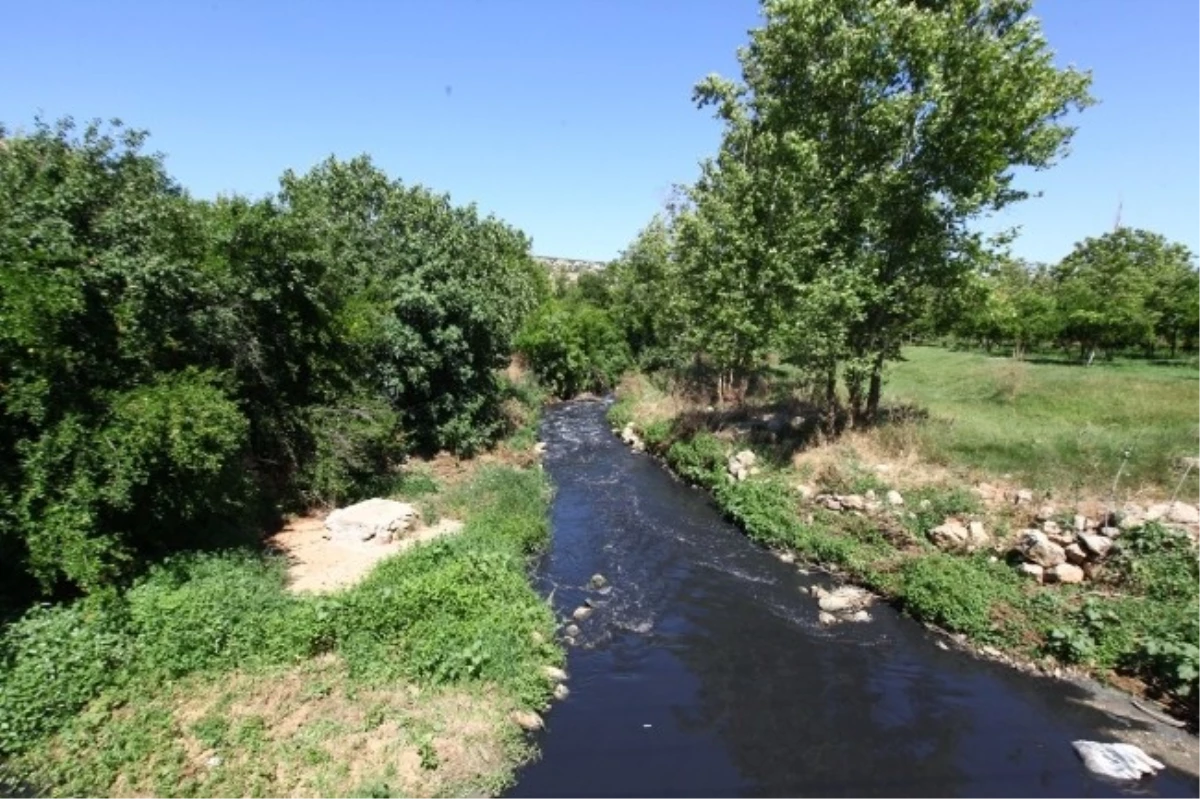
pixel 951 536
pixel 380 520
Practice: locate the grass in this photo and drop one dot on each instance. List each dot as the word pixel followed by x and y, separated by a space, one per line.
pixel 208 678
pixel 1053 425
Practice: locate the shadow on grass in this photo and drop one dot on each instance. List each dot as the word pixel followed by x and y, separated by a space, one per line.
pixel 778 430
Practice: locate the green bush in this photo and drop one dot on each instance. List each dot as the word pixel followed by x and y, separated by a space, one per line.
pixel 573 347
pixel 358 446
pixel 53 662
pixel 956 593
pixel 764 508
pixel 699 460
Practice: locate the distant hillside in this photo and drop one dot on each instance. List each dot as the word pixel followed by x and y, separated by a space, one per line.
pixel 572 268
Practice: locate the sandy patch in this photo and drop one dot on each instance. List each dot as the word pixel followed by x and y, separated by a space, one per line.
pixel 318 564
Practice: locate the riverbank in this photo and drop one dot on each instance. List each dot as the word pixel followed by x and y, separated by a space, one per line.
pixel 212 677
pixel 892 524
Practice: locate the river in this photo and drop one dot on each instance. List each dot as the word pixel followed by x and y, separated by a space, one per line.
pixel 704 671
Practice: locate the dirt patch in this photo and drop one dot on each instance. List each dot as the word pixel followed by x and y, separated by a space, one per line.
pixel 319 564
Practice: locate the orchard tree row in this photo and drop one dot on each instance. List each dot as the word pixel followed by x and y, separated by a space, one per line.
pixel 1128 290
pixel 173 371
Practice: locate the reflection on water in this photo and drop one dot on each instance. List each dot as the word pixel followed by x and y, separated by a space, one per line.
pixel 704 671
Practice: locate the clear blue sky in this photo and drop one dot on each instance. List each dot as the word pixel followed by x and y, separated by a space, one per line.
pixel 568 118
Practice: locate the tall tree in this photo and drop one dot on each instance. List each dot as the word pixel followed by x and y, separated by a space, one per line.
pixel 865 135
pixel 1125 288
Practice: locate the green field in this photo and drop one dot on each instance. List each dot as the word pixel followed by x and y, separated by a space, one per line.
pixel 1055 425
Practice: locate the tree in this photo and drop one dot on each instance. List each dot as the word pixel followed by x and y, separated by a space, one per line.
pixel 640 281
pixel 1125 289
pixel 863 138
pixel 1020 307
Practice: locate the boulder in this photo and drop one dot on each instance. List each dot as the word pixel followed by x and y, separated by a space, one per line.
pixel 1064 573
pixel 1075 554
pixel 597 581
pixel 1110 532
pixel 869 495
pixel 380 520
pixel 628 435
pixel 1039 549
pixel 1045 513
pixel 572 630
pixel 786 557
pixel 1183 513
pixel 951 536
pixel 561 692
pixel 1080 523
pixel 1032 570
pixel 1023 496
pixel 860 616
pixel 1050 527
pixel 832 503
pixel 1096 544
pixel 827 618
pixel 581 613
pixel 539 448
pixel 894 498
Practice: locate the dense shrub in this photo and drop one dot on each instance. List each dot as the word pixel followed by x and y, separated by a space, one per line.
pixel 955 593
pixel 699 460
pixel 573 347
pixel 172 371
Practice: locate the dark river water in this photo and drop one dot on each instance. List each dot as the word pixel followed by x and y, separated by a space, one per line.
pixel 704 671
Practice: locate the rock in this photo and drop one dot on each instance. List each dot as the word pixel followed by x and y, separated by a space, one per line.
pixel 977 536
pixel 378 519
pixel 786 557
pixel 627 434
pixel 1183 513
pixel 539 448
pixel 806 491
pixel 925 504
pixel 873 506
pixel 1064 573
pixel 213 761
pixel 1051 528
pixel 638 445
pixel 853 502
pixel 1032 570
pixel 1045 513
pixel 527 720
pixel 746 458
pixel 1080 523
pixel 844 599
pixel 1098 545
pixel 1075 554
pixel 597 581
pixel 860 616
pixel 1120 761
pixel 561 692
pixel 869 496
pixel 1024 496
pixel 554 674
pixel 894 498
pixel 1039 549
pixel 831 503
pixel 1156 512
pixel 581 613
pixel 572 630
pixel 827 618
pixel 950 536
pixel 1110 532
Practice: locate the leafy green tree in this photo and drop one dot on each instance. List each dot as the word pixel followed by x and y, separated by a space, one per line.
pixel 1020 307
pixel 641 281
pixel 573 347
pixel 1124 289
pixel 863 138
pixel 432 295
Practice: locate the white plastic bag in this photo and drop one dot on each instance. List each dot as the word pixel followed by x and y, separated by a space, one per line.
pixel 1119 761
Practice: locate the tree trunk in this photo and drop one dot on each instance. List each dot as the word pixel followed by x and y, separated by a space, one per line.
pixel 876 389
pixel 831 401
pixel 1091 356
